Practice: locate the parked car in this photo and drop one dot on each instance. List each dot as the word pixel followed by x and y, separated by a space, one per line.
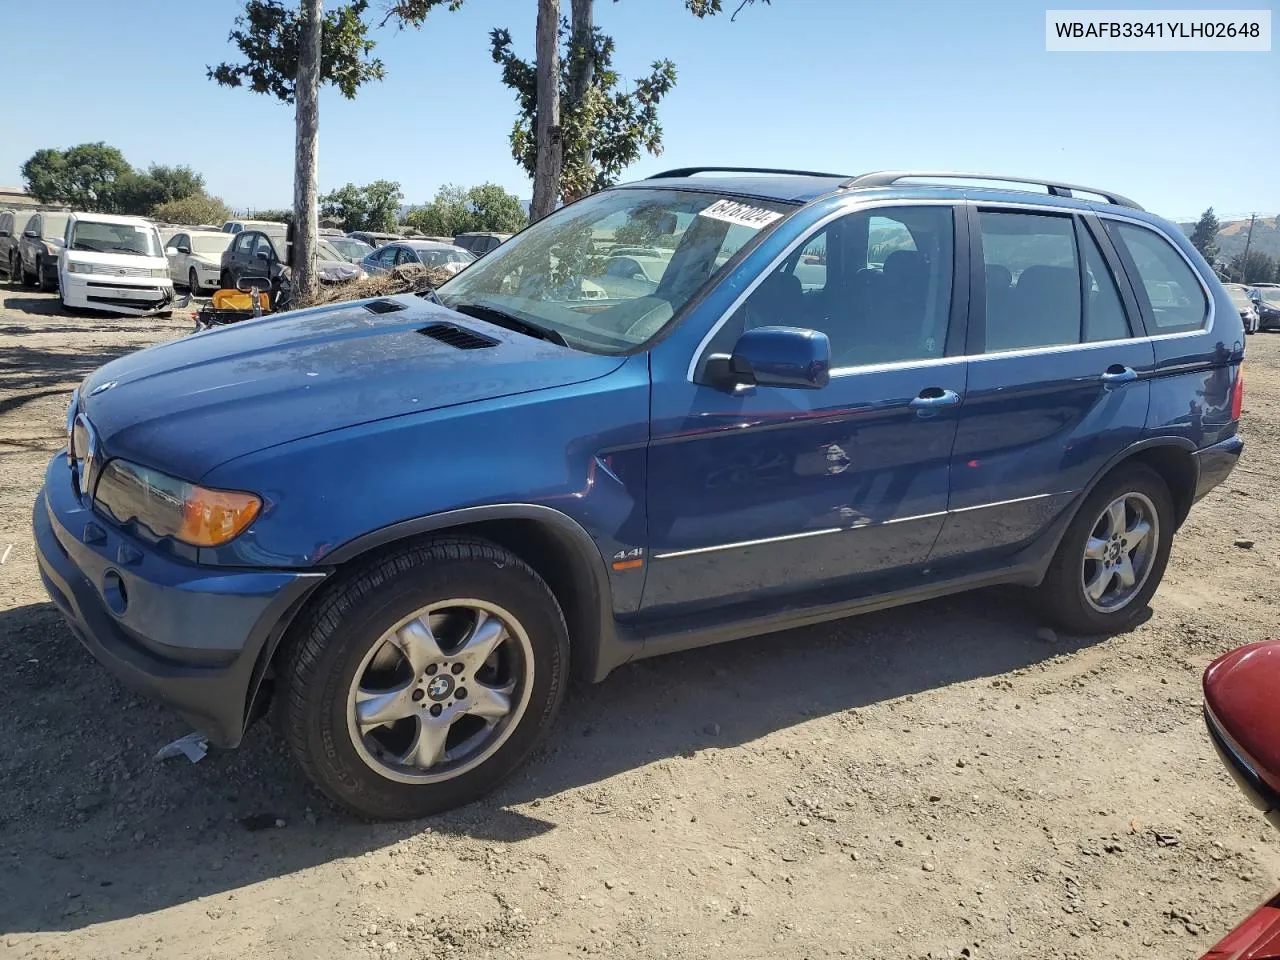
pixel 39 249
pixel 407 519
pixel 256 253
pixel 237 226
pixel 374 239
pixel 351 250
pixel 116 264
pixel 1242 713
pixel 480 243
pixel 630 276
pixel 195 258
pixel 425 252
pixel 11 224
pixel 1239 295
pixel 1266 300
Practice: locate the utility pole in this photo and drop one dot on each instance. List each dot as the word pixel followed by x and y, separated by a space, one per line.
pixel 546 174
pixel 1244 264
pixel 307 123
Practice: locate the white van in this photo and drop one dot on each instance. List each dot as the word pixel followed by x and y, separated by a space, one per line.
pixel 114 263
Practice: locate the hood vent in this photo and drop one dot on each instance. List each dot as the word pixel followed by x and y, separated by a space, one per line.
pixel 459 337
pixel 383 306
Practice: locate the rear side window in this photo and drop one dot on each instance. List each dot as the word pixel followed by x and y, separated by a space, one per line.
pixel 1171 288
pixel 1032 281
pixel 1104 316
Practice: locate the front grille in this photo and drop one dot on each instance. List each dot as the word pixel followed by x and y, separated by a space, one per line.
pixel 114 271
pixel 148 287
pixel 458 337
pixel 134 303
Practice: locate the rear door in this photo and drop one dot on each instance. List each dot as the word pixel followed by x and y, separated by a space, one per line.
pixel 1058 376
pixel 784 490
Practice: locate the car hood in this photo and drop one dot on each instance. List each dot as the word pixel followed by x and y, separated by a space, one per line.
pixel 336 271
pixel 188 405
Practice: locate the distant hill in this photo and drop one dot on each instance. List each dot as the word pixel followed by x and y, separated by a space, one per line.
pixel 1232 234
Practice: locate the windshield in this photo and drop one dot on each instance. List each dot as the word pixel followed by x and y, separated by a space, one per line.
pixel 351 248
pixel 54 225
pixel 142 241
pixel 1269 294
pixel 326 251
pixel 558 273
pixel 438 258
pixel 210 245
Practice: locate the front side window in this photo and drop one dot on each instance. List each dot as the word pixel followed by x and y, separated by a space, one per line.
pixel 1174 295
pixel 245 242
pixel 99 237
pixel 555 274
pixel 387 256
pixel 178 240
pixel 877 283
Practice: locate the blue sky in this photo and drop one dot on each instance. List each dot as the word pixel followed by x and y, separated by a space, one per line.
pixel 842 85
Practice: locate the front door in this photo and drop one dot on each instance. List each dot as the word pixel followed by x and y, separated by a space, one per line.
pixel 778 490
pixel 1058 380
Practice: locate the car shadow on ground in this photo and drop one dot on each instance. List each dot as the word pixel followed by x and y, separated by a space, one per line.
pixel 94 828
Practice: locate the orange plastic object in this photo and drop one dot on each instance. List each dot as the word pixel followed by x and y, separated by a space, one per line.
pixel 239 300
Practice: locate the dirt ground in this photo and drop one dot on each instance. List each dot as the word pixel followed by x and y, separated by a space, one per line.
pixel 949 780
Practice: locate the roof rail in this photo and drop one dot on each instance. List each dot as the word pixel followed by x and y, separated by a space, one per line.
pixel 886 178
pixel 690 171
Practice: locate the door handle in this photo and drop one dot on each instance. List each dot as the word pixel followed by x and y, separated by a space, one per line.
pixel 934 398
pixel 1118 373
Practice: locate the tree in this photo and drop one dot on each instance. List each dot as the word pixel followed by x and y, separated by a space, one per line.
pixel 1258 268
pixel 307 151
pixel 371 207
pixel 274 216
pixel 1205 236
pixel 454 210
pixel 83 177
pixel 590 130
pixel 197 209
pixel 139 192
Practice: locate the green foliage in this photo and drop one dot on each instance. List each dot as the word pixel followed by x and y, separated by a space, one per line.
pixel 1260 268
pixel 1205 236
pixel 268 36
pixel 605 130
pixel 371 207
pixel 413 13
pixel 83 177
pixel 454 210
pixel 709 8
pixel 194 209
pixel 275 216
pixel 139 192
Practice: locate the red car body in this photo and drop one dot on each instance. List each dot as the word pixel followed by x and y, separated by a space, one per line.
pixel 1242 712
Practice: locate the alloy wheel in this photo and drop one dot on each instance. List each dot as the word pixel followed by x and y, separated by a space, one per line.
pixel 1120 552
pixel 441 691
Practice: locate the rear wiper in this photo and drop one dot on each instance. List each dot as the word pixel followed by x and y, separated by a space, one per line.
pixel 503 319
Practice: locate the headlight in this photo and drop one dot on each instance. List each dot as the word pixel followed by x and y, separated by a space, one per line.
pixel 170 507
pixel 52 249
pixel 79 267
pixel 159 272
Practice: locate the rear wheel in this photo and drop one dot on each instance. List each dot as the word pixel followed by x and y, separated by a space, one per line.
pixel 1113 555
pixel 425 678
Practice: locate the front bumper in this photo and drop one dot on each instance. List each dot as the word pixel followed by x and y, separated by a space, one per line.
pixel 137 297
pixel 196 638
pixel 1216 462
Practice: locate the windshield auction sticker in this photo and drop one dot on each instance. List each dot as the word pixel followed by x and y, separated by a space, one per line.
pixel 743 214
pixel 1138 31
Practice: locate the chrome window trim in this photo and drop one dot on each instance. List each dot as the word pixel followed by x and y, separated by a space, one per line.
pixel 692 551
pixel 855 205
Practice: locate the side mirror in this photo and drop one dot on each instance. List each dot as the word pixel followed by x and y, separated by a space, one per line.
pixel 183 248
pixel 4 233
pixel 30 234
pixel 172 251
pixel 774 357
pixel 262 255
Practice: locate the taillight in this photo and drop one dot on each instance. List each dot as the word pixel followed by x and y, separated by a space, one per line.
pixel 1237 393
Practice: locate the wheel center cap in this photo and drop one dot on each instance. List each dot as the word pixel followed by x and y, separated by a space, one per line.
pixel 440 687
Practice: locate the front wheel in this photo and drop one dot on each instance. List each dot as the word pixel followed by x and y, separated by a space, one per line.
pixel 1113 555
pixel 48 283
pixel 193 282
pixel 424 678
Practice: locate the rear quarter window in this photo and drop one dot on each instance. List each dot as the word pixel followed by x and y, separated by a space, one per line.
pixel 1174 296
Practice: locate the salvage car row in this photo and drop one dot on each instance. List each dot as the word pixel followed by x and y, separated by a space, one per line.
pixel 124 264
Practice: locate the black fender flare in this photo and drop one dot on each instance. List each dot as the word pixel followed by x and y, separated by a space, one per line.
pixel 597 649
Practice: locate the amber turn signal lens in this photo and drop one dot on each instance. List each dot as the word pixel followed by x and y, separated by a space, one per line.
pixel 211 518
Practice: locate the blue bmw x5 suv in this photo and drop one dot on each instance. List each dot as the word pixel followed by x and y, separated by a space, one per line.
pixel 788 397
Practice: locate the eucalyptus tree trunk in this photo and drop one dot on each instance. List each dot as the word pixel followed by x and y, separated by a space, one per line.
pixel 582 50
pixel 546 131
pixel 307 148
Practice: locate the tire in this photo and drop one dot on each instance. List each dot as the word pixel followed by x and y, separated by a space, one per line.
pixel 224 281
pixel 342 642
pixel 42 275
pixel 27 279
pixel 1063 591
pixel 15 270
pixel 193 282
